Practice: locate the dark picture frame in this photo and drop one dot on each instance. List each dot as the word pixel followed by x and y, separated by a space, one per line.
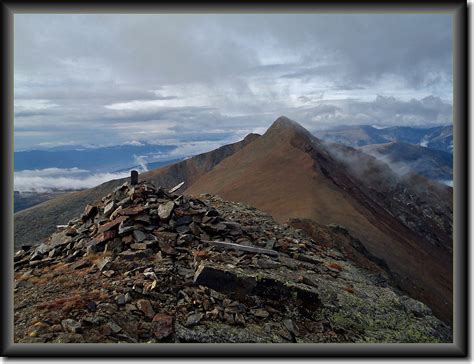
pixel 459 347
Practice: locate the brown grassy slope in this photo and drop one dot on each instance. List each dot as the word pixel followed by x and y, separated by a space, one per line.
pixel 288 175
pixel 33 225
pixel 278 178
pixel 191 169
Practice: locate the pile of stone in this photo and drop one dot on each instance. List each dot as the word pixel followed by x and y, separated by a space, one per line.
pixel 179 269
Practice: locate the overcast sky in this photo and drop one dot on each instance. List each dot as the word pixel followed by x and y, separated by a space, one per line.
pixel 205 80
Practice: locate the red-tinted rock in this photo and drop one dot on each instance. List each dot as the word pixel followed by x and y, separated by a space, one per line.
pixel 162 325
pixel 111 224
pixel 130 211
pixel 145 307
pixel 89 212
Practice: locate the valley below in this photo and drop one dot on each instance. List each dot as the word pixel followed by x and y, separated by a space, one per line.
pixel 24 200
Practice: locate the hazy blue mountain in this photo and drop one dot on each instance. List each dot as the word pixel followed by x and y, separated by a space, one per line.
pixel 406 158
pixel 92 159
pixel 438 137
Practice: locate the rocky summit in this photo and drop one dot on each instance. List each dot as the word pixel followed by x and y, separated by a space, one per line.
pixel 150 265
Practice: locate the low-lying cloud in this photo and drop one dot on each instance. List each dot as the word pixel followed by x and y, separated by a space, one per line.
pixel 140 160
pixel 60 179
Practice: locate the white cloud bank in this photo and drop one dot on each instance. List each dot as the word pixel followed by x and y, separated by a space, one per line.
pixel 50 179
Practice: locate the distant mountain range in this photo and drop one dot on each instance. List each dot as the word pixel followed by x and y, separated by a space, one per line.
pixel 402 223
pixel 93 159
pixel 406 158
pixel 439 137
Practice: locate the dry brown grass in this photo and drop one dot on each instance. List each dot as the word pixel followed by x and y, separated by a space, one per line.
pixel 62 279
pixel 83 272
pixel 94 258
pixel 59 266
pixel 201 253
pixel 38 280
pixel 46 274
pixel 21 277
pixel 74 300
pixel 70 284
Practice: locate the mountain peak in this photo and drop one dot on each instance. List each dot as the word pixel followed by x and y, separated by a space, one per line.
pixel 286 126
pixel 251 137
pixel 284 122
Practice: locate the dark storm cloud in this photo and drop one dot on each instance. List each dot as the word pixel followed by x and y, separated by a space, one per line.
pixel 117 77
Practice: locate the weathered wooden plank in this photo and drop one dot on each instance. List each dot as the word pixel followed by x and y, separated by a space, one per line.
pixel 250 249
pixel 177 187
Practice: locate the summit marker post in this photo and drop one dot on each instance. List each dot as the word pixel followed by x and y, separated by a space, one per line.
pixel 133 178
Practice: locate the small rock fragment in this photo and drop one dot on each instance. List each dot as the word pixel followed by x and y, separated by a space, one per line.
pixel 193 319
pixel 138 246
pixel 89 212
pixel 91 306
pixel 104 263
pixel 109 208
pixel 290 326
pixel 145 307
pixel 162 326
pixel 260 312
pixel 80 264
pixel 121 300
pixel 139 254
pixel 165 210
pixel 108 273
pixel 71 325
pixel 139 236
pixel 38 328
pixel 114 328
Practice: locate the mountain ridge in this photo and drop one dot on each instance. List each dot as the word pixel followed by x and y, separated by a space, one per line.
pixel 289 173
